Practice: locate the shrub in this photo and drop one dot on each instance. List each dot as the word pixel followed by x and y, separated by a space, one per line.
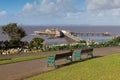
pixel 37 42
pixel 14 43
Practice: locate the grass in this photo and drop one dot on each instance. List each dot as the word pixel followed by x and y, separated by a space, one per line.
pixel 20 59
pixel 104 68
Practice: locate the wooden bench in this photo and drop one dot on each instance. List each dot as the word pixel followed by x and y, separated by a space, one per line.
pixel 66 56
pixel 87 51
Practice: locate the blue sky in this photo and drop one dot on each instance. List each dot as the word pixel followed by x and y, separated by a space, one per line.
pixel 62 12
pixel 13 6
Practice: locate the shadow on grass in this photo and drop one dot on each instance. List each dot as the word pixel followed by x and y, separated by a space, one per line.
pixel 73 62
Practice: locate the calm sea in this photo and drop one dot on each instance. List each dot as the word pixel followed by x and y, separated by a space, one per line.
pixel 114 30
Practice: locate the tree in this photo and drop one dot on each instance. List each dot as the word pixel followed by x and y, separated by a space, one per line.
pixel 13 31
pixel 6 43
pixel 37 42
pixel 26 43
pixel 14 43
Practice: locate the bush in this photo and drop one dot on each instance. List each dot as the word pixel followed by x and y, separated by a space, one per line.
pixel 117 38
pixel 14 43
pixel 37 42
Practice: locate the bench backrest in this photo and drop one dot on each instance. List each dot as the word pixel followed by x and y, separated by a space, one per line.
pixel 63 55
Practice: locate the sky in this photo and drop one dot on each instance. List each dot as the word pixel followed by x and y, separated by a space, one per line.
pixel 60 12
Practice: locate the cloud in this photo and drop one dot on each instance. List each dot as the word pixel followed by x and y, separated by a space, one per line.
pixel 64 12
pixel 94 14
pixel 3 13
pixel 49 7
pixel 28 7
pixel 57 6
pixel 97 17
pixel 102 4
pixel 108 13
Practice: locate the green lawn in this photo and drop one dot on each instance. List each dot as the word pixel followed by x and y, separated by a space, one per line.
pixel 104 68
pixel 22 59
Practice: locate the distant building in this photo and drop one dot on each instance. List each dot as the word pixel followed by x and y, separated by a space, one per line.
pixel 59 34
pixel 48 31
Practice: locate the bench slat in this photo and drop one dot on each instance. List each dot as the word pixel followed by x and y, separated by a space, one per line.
pixel 64 55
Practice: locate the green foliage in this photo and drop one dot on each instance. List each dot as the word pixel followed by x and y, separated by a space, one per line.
pixel 64 47
pixel 117 38
pixel 14 43
pixel 26 43
pixel 112 42
pixel 82 41
pixel 1 51
pixel 6 43
pixel 31 45
pixel 104 68
pixel 92 44
pixel 2 46
pixel 36 43
pixel 81 44
pixel 13 31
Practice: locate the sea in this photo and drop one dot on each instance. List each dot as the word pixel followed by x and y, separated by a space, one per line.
pixel 113 30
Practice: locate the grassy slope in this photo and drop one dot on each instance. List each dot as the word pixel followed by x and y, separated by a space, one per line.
pixel 104 68
pixel 22 59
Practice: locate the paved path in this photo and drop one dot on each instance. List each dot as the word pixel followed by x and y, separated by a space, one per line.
pixel 21 70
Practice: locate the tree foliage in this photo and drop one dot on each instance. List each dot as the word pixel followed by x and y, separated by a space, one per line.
pixel 37 42
pixel 14 43
pixel 13 31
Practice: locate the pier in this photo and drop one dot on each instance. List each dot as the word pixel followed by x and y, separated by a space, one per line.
pixel 92 33
pixel 54 33
pixel 68 35
pixel 45 33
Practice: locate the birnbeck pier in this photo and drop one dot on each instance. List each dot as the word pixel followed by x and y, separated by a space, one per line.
pixel 69 35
